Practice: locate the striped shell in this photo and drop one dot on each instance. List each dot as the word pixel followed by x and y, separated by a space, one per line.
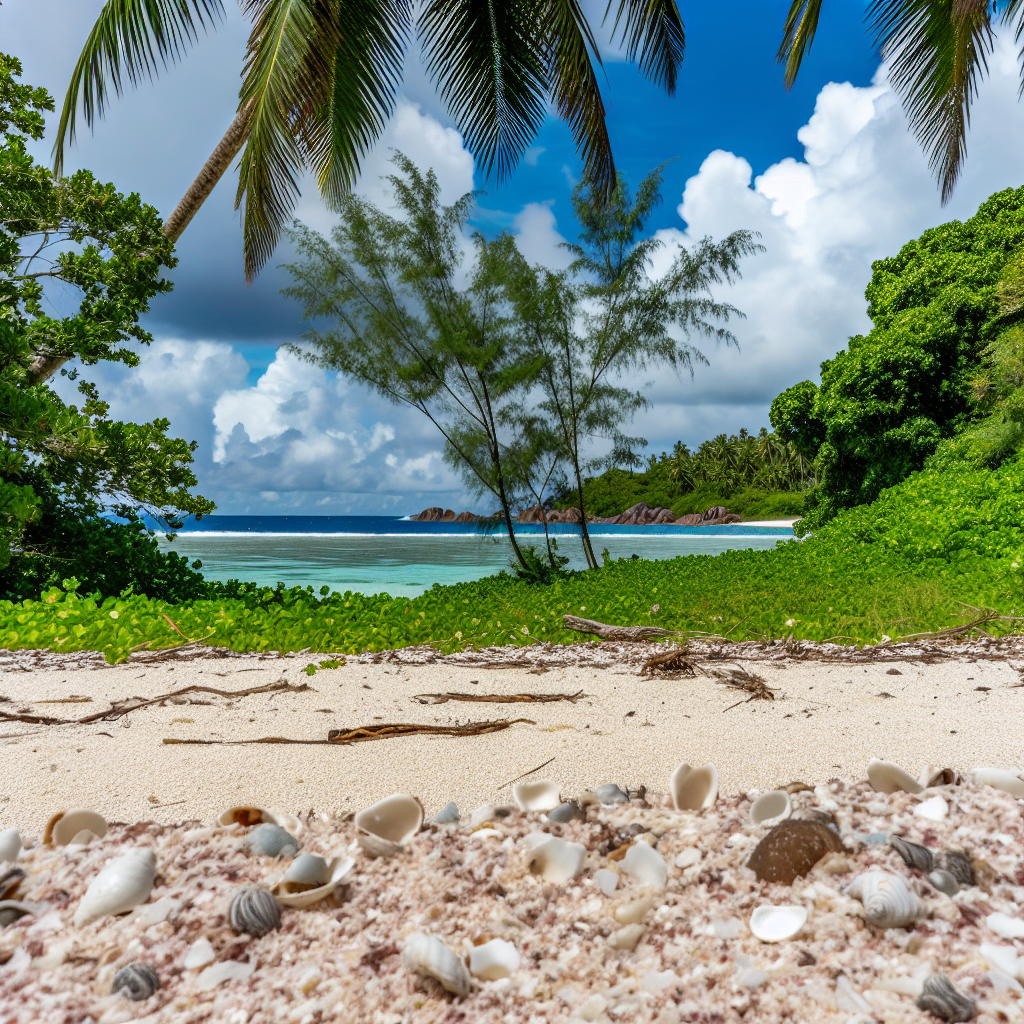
pixel 913 854
pixel 431 958
pixel 253 911
pixel 888 903
pixel 136 982
pixel 941 998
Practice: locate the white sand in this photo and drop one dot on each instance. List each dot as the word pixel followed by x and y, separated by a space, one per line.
pixel 827 720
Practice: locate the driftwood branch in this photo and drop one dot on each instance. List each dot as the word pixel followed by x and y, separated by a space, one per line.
pixel 606 632
pixel 362 734
pixel 499 698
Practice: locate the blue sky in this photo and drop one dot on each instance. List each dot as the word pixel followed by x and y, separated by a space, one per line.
pixel 827 174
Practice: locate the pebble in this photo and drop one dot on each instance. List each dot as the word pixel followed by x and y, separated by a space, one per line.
pixel 626 938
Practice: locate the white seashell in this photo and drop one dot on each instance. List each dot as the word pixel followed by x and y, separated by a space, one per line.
pixel 694 789
pixel 63 829
pixel 776 924
pixel 199 954
pixel 607 881
pixel 158 912
pixel 934 809
pixel 1002 958
pixel 932 776
pixel 886 777
pixel 247 815
pixel 888 903
pixel 634 911
pixel 123 884
pixel 226 970
pixel 771 808
pixel 657 981
pixel 688 857
pixel 485 812
pixel 493 960
pixel 627 937
pixel 310 879
pixel 541 795
pixel 83 838
pixel 849 1000
pixel 430 957
pixel 556 860
pixel 645 865
pixel 1005 926
pixel 999 778
pixel 385 825
pixel 10 844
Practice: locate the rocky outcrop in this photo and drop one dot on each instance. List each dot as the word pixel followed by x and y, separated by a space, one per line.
pixel 640 514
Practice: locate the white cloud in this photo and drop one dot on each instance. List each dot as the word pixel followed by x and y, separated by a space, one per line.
pixel 538 237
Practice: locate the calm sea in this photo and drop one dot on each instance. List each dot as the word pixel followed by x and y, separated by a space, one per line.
pixel 372 554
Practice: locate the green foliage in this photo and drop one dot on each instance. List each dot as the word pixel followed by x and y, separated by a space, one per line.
pixel 887 402
pixel 62 465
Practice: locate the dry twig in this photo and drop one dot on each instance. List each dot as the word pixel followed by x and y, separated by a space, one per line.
pixel 670 663
pixel 606 632
pixel 498 698
pixel 740 679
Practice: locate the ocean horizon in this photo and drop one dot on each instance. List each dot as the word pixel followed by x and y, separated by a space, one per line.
pixel 403 557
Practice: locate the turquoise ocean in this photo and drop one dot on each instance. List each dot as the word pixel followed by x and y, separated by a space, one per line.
pixel 374 554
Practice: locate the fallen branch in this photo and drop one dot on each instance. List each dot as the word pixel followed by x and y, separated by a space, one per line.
pixel 740 679
pixel 606 632
pixel 119 710
pixel 670 663
pixel 499 698
pixel 362 734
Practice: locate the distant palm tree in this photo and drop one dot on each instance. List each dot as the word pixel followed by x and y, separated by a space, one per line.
pixel 938 51
pixel 320 79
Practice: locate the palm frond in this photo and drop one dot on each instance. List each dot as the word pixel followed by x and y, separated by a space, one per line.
pixel 487 58
pixel 285 75
pixel 130 40
pixel 654 30
pixel 797 36
pixel 938 53
pixel 368 41
pixel 574 87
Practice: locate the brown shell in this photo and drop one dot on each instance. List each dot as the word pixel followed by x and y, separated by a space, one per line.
pixel 791 849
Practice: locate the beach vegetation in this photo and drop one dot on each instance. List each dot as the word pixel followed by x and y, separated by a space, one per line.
pixel 320 80
pixel 79 264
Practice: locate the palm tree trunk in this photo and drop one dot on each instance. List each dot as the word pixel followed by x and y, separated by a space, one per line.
pixel 45 364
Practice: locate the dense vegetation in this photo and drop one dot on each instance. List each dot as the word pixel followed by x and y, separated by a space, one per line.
pixel 76 245
pixel 892 397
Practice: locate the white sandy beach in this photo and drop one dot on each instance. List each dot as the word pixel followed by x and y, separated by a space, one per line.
pixel 826 721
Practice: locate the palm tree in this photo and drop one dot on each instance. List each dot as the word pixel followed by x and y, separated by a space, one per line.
pixel 320 79
pixel 938 51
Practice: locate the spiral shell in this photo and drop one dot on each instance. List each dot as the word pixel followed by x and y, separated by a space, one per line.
pixel 888 903
pixel 914 855
pixel 429 957
pixel 123 884
pixel 269 840
pixel 941 998
pixel 253 911
pixel 959 865
pixel 136 981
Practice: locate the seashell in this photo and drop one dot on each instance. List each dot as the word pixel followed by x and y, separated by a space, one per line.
pixel 886 777
pixel 694 789
pixel 9 882
pixel 607 881
pixel 999 778
pixel 199 954
pixel 385 825
pixel 627 937
pixel 931 776
pixel 1002 958
pixel 770 808
pixel 124 883
pixel 248 815
pixel 1005 926
pixel 941 998
pixel 253 911
pixel 959 865
pixel 431 958
pixel 136 982
pixel 541 795
pixel 554 859
pixel 645 865
pixel 791 849
pixel 944 882
pixel 933 809
pixel 914 855
pixel 11 910
pixel 493 960
pixel 83 838
pixel 609 793
pixel 448 815
pixel 310 879
pixel 634 911
pixel 571 810
pixel 270 840
pixel 10 844
pixel 888 903
pixel 688 857
pixel 64 828
pixel 776 924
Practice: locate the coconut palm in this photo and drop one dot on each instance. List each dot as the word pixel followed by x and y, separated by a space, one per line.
pixel 938 52
pixel 320 79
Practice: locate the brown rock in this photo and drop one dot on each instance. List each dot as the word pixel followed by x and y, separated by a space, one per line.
pixel 694 519
pixel 466 517
pixel 715 512
pixel 429 515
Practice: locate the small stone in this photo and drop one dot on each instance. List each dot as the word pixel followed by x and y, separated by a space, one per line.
pixel 609 793
pixel 626 938
pixel 199 954
pixel 634 911
pixel 568 811
pixel 607 881
pixel 592 1008
pixel 688 857
pixel 448 815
